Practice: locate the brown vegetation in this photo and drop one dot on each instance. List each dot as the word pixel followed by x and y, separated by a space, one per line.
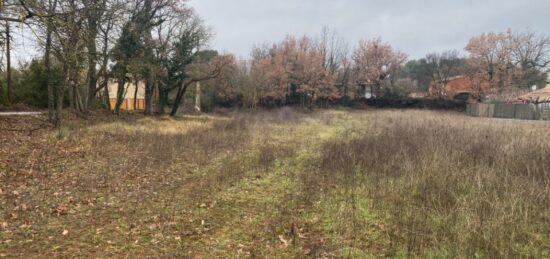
pixel 276 184
pixel 449 186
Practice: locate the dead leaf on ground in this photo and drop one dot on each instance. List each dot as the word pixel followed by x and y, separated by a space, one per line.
pixel 283 241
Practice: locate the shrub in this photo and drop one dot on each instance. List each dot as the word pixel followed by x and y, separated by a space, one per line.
pixel 29 84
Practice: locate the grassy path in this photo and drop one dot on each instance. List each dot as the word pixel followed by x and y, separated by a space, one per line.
pixel 266 213
pixel 198 187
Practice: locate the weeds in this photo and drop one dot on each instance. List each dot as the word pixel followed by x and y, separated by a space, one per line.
pixel 281 183
pixel 62 133
pixel 449 185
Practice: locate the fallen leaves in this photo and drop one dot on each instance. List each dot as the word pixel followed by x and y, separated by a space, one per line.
pixel 104 185
pixel 283 241
pixel 25 226
pixel 61 210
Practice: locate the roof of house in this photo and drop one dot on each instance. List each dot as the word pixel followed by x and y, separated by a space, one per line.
pixel 539 96
pixel 458 84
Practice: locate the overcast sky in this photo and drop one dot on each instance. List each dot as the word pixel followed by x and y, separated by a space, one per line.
pixel 416 27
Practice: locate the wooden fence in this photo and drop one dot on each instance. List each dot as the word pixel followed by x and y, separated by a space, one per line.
pixel 510 111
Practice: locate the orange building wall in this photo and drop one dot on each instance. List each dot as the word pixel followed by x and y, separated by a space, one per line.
pixel 128 105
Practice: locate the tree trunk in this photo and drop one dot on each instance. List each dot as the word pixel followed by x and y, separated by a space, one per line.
pixel 105 72
pixel 77 100
pixel 8 60
pixel 52 114
pixel 59 106
pixel 71 96
pixel 162 96
pixel 149 81
pixel 120 91
pixel 59 95
pixel 79 105
pixel 179 99
pixel 92 61
pixel 2 101
pixel 136 83
pixel 148 97
pixel 47 64
pixel 106 93
pixel 94 10
pixel 198 98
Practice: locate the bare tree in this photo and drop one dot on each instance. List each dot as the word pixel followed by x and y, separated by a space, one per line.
pixel 491 54
pixel 52 114
pixel 68 45
pixel 61 24
pixel 165 34
pixel 344 80
pixel 20 11
pixel 199 72
pixel 531 57
pixel 93 12
pixel 443 66
pixel 530 50
pixel 9 9
pixel 374 60
pixel 333 49
pixel 510 60
pixel 336 60
pixel 109 22
pixel 9 82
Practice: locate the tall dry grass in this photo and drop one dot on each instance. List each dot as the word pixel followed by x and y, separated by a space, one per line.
pixel 108 180
pixel 448 186
pixel 329 184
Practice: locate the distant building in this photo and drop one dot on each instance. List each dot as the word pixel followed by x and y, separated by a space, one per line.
pixel 130 98
pixel 539 96
pixel 457 86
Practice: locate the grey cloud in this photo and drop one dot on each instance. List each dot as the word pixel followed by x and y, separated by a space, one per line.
pixel 413 26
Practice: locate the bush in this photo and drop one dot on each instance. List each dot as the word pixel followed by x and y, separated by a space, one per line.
pixel 63 133
pixel 29 84
pixel 424 103
pixel 400 89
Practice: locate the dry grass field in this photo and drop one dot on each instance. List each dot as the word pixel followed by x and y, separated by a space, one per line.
pixel 280 184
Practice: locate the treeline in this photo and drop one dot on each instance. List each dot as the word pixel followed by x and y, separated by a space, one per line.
pixel 163 43
pixel 93 42
pixel 324 70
